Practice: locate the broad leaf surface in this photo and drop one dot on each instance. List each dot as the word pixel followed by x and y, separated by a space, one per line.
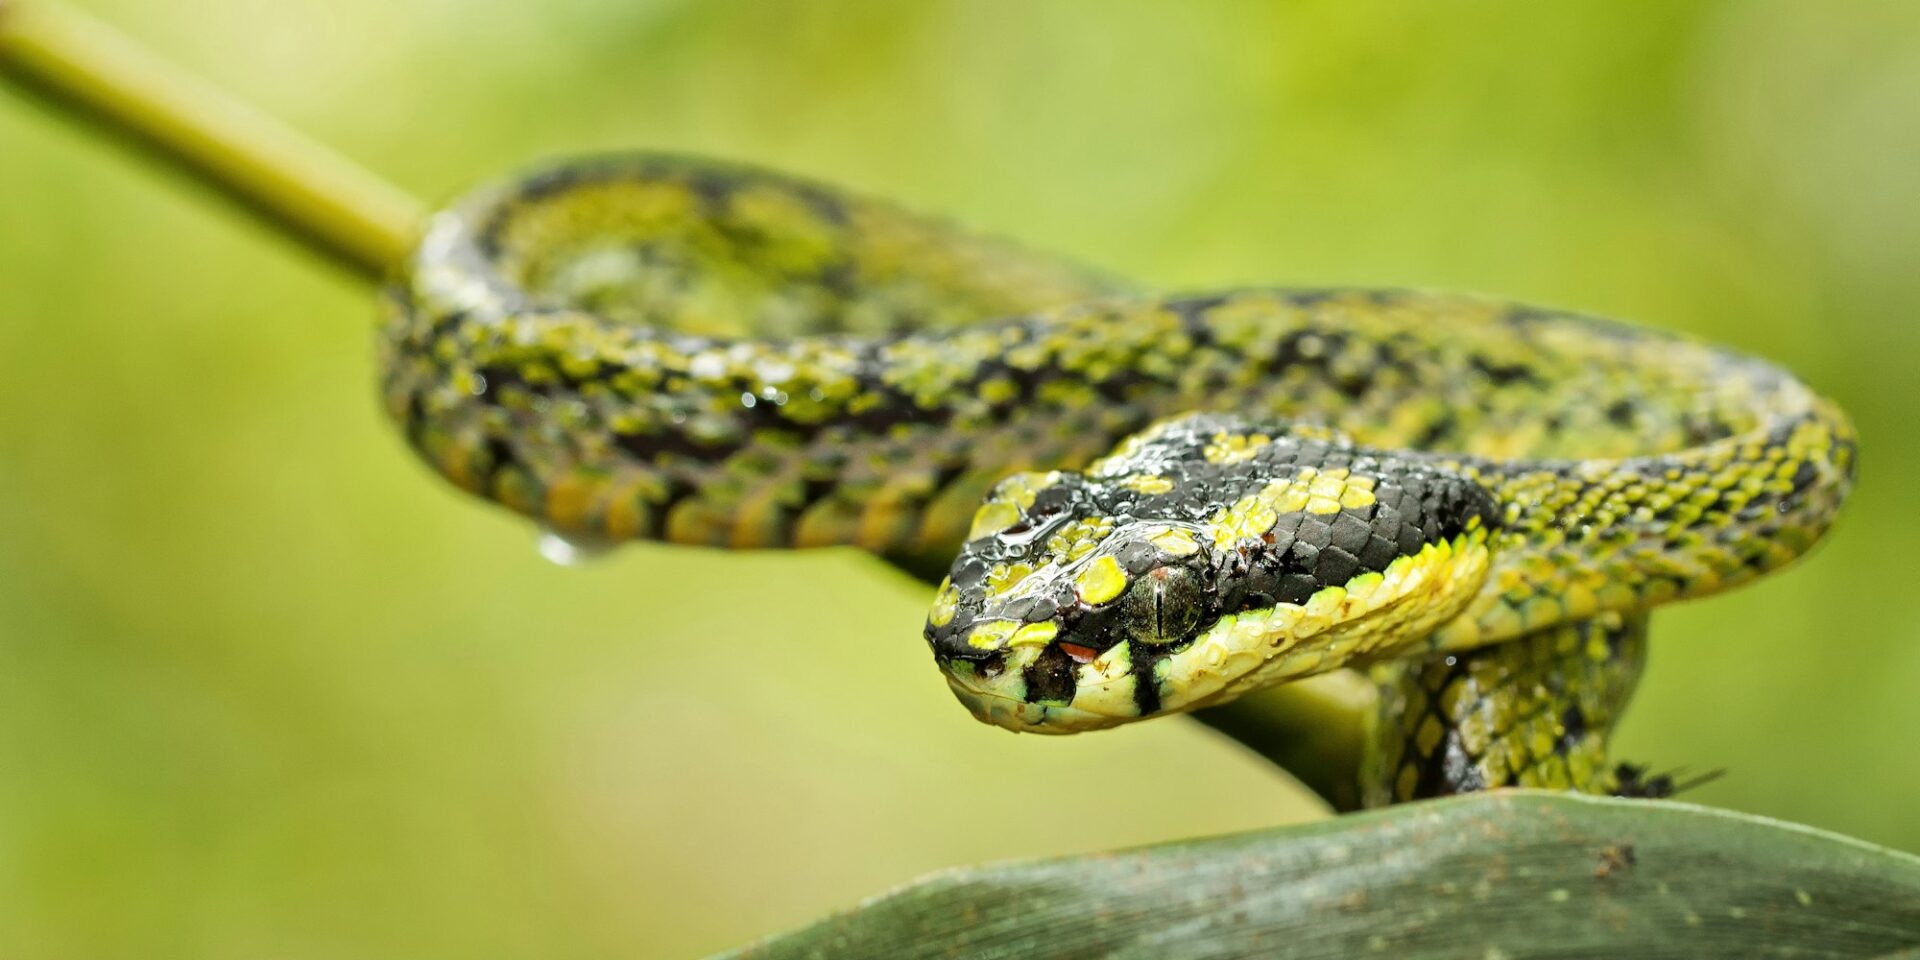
pixel 1504 875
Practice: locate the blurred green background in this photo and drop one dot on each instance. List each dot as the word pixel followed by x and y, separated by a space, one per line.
pixel 268 689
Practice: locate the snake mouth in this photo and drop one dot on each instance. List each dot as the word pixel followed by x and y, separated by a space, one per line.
pixel 997 697
pixel 1374 614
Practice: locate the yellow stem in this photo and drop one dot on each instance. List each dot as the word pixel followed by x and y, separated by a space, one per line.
pixel 298 185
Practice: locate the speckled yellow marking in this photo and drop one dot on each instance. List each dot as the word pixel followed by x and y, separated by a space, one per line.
pixel 1175 541
pixel 1101 581
pixel 992 634
pixel 944 603
pixel 1003 577
pixel 1249 518
pixel 1147 483
pixel 1235 447
pixel 993 517
pixel 1034 634
pixel 1077 539
pixel 1020 488
pixel 1311 491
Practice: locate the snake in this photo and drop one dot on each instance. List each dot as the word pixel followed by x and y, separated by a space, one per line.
pixel 1134 503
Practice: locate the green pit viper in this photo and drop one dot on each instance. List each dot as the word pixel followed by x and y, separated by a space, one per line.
pixel 1143 504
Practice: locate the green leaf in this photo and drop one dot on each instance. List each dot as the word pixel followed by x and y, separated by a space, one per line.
pixel 1509 874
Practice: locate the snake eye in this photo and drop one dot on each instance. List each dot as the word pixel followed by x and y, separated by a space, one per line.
pixel 1162 606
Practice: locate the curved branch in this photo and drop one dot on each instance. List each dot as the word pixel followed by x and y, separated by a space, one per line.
pixel 294 183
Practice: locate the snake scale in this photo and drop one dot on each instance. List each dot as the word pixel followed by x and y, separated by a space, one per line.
pixel 1143 504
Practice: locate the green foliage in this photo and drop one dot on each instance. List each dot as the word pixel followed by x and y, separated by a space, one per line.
pixel 1505 875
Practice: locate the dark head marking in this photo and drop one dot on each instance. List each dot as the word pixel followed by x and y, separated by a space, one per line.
pixel 1204 554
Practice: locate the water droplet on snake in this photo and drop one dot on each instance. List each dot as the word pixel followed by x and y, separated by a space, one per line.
pixel 572 549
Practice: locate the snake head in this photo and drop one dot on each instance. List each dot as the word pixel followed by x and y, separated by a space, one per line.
pixel 1207 556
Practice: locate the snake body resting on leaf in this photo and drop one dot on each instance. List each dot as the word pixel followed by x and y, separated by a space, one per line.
pixel 1186 498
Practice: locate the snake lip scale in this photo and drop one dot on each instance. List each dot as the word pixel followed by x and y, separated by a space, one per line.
pixel 1144 504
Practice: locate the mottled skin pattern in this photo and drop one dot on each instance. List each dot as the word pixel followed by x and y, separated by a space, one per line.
pixel 1535 712
pixel 1460 494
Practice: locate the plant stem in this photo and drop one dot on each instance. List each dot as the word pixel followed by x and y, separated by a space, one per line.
pixel 300 186
pixel 1315 729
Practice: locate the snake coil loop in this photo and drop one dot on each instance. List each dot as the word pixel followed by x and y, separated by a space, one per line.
pixel 1476 498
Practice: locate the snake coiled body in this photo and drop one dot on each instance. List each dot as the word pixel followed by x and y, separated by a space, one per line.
pixel 1185 497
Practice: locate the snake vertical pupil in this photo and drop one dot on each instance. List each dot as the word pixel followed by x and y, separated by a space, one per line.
pixel 1162 606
